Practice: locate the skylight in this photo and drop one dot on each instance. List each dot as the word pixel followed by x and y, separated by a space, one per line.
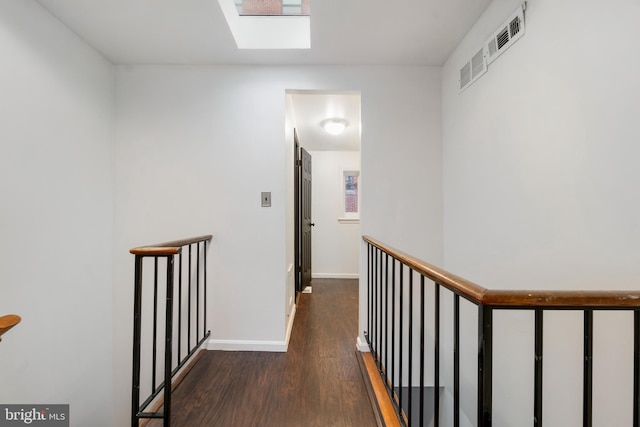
pixel 272 7
pixel 268 24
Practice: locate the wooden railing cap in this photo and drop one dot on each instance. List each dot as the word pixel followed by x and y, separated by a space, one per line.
pixel 168 248
pixel 7 322
pixel 562 299
pixel 464 287
pixel 512 298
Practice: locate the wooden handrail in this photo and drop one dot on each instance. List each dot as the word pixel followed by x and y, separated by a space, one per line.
pixel 562 299
pixel 7 322
pixel 168 248
pixel 464 287
pixel 512 298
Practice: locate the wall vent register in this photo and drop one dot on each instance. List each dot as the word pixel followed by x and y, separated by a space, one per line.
pixel 505 36
pixel 501 39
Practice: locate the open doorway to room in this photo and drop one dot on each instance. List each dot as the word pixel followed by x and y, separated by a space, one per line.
pixel 326 169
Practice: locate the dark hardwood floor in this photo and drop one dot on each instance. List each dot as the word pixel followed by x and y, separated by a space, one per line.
pixel 317 383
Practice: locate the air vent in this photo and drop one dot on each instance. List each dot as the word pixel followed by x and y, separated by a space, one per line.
pixel 477 65
pixel 514 26
pixel 492 47
pixel 502 38
pixel 465 75
pixel 472 70
pixel 507 34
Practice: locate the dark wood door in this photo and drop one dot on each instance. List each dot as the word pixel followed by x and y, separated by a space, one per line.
pixel 296 203
pixel 306 223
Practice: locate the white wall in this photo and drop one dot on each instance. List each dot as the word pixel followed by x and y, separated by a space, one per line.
pixel 290 291
pixel 335 246
pixel 540 183
pixel 191 161
pixel 56 216
pixel 197 145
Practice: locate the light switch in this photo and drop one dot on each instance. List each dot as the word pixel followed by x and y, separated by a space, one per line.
pixel 266 199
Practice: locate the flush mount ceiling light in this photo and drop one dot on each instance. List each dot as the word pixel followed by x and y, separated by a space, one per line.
pixel 334 126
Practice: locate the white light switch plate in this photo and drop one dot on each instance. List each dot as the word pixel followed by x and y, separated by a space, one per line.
pixel 266 199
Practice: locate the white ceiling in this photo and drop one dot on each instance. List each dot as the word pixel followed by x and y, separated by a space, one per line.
pixel 349 32
pixel 420 32
pixel 311 108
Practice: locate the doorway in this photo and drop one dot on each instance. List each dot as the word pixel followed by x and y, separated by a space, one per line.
pixel 332 247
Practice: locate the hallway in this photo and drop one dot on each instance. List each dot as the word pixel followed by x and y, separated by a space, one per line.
pixel 316 383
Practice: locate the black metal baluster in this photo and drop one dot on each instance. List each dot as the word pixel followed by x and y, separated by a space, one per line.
pixel 372 279
pixel 393 326
pixel 422 328
pixel 401 334
pixel 374 338
pixel 204 331
pixel 410 380
pixel 369 293
pixel 168 349
pixel 387 350
pixel 636 368
pixel 155 323
pixel 456 360
pixel 198 291
pixel 189 303
pixel 379 311
pixel 374 303
pixel 587 399
pixel 485 358
pixel 180 307
pixel 374 273
pixel 537 405
pixel 137 338
pixel 436 362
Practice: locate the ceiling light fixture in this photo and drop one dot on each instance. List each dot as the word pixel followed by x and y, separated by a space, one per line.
pixel 334 126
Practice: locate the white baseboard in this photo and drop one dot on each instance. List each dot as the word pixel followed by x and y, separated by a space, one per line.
pixel 238 345
pixel 335 276
pixel 292 317
pixel 362 345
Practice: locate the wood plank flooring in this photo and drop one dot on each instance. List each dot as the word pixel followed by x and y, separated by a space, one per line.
pixel 317 383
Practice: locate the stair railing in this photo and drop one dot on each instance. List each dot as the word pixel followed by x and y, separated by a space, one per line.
pixel 190 297
pixel 394 327
pixel 7 322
